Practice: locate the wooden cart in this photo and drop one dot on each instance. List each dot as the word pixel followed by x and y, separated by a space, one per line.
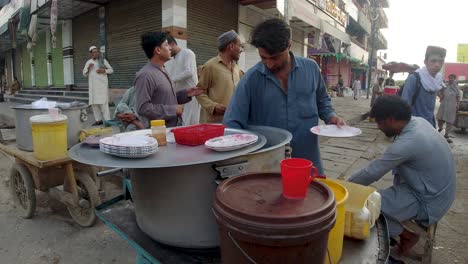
pixel 70 182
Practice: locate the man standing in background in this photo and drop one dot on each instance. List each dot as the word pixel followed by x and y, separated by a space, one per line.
pixel 219 77
pixel 183 71
pixel 356 87
pixel 449 103
pixel 421 88
pixel 97 69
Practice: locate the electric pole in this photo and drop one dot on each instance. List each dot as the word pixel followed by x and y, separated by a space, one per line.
pixel 374 20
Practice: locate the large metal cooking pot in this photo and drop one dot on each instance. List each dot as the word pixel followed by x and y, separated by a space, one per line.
pixel 75 117
pixel 157 193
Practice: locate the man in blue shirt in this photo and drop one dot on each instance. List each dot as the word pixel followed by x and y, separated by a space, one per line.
pixel 282 91
pixel 422 96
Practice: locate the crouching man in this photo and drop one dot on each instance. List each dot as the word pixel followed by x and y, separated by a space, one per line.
pixel 424 186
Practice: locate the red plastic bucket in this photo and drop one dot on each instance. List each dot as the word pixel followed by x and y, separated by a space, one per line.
pixel 296 177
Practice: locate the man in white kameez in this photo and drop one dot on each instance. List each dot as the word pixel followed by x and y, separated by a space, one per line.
pixel 97 69
pixel 425 183
pixel 356 88
pixel 182 69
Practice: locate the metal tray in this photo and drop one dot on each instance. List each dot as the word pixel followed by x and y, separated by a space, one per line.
pixel 172 155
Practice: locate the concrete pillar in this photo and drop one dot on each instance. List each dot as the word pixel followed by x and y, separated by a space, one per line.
pixel 49 59
pixel 174 20
pixel 102 31
pixel 67 54
pixel 33 71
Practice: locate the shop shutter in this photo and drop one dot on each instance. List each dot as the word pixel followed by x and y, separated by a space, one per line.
pixel 9 67
pixel 40 61
pixel 250 55
pixel 18 63
pixel 126 22
pixel 26 64
pixel 85 34
pixel 206 20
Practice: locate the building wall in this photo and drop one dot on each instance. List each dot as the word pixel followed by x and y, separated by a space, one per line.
pixel 332 69
pixel 40 61
pixel 8 68
pixel 26 66
pixel 57 60
pixel 206 20
pixel 126 21
pixel 85 34
pixel 248 19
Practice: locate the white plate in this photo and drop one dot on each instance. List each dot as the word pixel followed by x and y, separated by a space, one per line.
pixel 231 148
pixel 231 141
pixel 334 131
pixel 129 141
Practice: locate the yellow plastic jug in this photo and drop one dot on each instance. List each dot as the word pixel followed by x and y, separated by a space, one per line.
pixel 49 136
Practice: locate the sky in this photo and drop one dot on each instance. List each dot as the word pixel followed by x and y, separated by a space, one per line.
pixel 415 24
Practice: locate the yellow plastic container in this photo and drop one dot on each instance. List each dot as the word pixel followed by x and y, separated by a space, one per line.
pixel 358 219
pixel 96 131
pixel 49 136
pixel 335 238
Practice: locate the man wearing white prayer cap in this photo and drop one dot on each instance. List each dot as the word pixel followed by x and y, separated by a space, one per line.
pixel 219 77
pixel 97 69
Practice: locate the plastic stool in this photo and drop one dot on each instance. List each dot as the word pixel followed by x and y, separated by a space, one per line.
pixel 426 233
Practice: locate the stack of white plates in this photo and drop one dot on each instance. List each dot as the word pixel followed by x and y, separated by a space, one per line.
pixel 129 146
pixel 231 142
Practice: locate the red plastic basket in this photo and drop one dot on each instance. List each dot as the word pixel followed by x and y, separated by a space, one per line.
pixel 391 90
pixel 197 134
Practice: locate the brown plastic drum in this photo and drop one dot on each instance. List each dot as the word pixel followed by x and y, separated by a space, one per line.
pixel 258 225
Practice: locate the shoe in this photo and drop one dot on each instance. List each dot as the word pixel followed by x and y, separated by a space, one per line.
pixel 97 123
pixel 408 240
pixel 449 140
pixel 440 130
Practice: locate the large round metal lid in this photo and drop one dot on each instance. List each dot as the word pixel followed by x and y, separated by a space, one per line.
pixel 258 198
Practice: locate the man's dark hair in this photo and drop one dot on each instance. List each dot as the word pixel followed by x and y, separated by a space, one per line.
pixel 388 106
pixel 273 35
pixel 452 76
pixel 170 38
pixel 151 40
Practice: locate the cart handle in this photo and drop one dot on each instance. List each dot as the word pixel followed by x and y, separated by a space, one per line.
pixel 109 172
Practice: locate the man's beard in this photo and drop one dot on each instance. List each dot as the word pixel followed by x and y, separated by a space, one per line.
pixel 279 68
pixel 390 133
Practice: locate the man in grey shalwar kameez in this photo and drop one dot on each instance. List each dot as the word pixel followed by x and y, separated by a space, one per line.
pixel 425 184
pixel 449 102
pixel 156 97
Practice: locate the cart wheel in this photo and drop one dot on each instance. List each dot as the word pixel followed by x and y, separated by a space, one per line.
pixel 88 196
pixel 22 190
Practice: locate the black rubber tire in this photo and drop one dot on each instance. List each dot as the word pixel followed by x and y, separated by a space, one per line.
pixel 87 190
pixel 22 190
